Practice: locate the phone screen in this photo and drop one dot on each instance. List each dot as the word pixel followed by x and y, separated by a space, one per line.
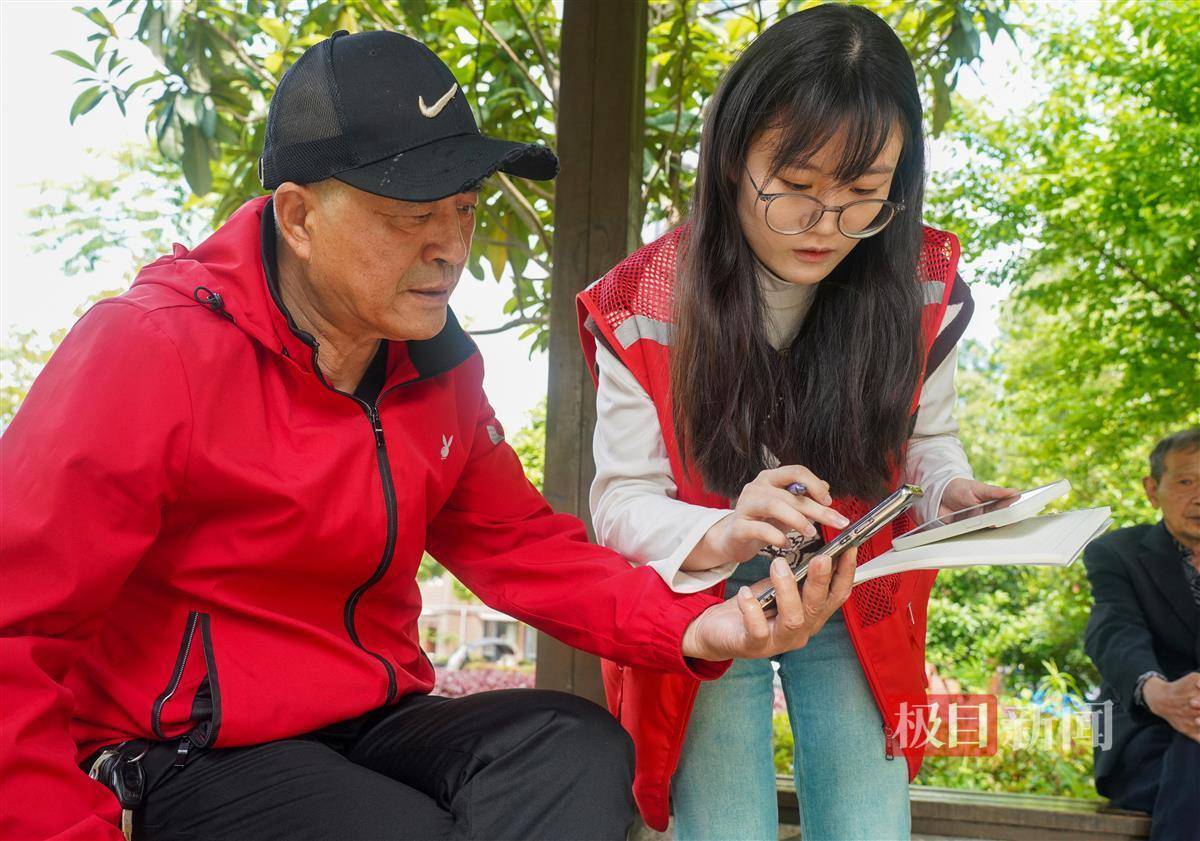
pixel 974 511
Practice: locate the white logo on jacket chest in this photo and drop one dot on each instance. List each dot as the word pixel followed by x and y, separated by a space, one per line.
pixel 446 442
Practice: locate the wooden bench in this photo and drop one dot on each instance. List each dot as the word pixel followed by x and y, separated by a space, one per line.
pixel 1020 817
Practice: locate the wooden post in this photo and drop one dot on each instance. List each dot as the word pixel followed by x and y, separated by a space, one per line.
pixel 597 220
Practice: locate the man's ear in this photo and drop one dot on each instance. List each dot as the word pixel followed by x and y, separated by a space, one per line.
pixel 1151 488
pixel 294 204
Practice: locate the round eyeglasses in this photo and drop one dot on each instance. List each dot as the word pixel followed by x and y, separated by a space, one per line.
pixel 794 213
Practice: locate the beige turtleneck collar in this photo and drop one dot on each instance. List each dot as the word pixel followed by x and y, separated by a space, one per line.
pixel 786 305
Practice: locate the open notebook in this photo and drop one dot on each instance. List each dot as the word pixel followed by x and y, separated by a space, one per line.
pixel 1050 540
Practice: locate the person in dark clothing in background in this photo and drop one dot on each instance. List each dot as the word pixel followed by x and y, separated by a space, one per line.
pixel 1144 637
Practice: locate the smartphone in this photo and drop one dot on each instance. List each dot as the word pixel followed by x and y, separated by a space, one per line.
pixel 856 533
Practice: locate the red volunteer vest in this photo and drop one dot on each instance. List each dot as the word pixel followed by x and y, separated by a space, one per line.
pixel 629 309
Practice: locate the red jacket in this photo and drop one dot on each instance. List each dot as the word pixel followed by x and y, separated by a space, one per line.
pixel 200 537
pixel 629 310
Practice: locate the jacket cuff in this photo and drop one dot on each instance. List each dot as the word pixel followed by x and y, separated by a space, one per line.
pixel 694 581
pixel 677 614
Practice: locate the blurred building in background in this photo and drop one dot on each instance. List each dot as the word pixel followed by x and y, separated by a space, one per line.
pixel 449 620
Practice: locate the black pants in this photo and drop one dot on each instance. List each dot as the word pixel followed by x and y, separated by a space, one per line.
pixel 1160 774
pixel 518 764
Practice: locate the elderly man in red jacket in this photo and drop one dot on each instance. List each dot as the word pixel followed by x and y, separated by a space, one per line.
pixel 217 495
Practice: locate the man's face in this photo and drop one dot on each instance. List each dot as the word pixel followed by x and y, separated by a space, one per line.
pixel 384 268
pixel 1178 494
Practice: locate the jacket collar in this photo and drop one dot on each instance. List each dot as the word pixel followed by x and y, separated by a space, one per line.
pixel 1159 557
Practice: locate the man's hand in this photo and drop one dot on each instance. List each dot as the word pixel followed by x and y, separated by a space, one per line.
pixel 739 628
pixel 1177 701
pixel 962 493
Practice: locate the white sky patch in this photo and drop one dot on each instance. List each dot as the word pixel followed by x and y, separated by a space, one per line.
pixel 37 145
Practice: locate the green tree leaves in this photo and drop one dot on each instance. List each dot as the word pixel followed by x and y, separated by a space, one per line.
pixel 85 102
pixel 1092 195
pixel 74 58
pixel 220 64
pixel 106 76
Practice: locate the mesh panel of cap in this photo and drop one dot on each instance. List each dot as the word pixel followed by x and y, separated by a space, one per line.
pixel 305 131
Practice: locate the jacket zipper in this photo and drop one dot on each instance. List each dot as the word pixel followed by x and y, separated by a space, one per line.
pixel 389 545
pixel 205 732
pixel 185 649
pixel 389 501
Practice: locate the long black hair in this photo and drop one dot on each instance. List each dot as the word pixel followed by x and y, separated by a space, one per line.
pixel 838 401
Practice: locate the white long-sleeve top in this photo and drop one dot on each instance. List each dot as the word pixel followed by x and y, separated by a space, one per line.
pixel 633 497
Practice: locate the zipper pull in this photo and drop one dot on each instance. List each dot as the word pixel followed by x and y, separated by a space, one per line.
pixel 181 752
pixel 377 425
pixel 890 742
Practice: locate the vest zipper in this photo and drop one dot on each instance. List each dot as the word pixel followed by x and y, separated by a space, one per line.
pixel 891 741
pixel 912 624
pixel 891 738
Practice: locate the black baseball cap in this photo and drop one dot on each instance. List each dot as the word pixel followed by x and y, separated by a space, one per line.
pixel 381 112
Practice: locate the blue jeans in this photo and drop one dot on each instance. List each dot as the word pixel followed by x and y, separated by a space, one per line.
pixel 724 787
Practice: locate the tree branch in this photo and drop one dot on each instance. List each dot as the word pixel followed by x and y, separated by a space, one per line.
pixel 540 46
pixel 513 238
pixel 658 162
pixel 523 208
pixel 540 192
pixel 676 141
pixel 375 17
pixel 1189 319
pixel 518 292
pixel 925 62
pixel 491 30
pixel 245 57
pixel 726 8
pixel 687 32
pixel 478 48
pixel 508 325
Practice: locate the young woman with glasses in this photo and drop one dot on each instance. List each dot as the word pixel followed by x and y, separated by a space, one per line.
pixel 770 369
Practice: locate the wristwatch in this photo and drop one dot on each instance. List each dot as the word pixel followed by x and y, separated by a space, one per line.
pixel 1138 697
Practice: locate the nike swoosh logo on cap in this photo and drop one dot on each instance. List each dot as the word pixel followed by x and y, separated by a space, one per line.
pixel 436 108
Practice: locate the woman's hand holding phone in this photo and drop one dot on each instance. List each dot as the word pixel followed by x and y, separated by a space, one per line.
pixel 739 628
pixel 763 515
